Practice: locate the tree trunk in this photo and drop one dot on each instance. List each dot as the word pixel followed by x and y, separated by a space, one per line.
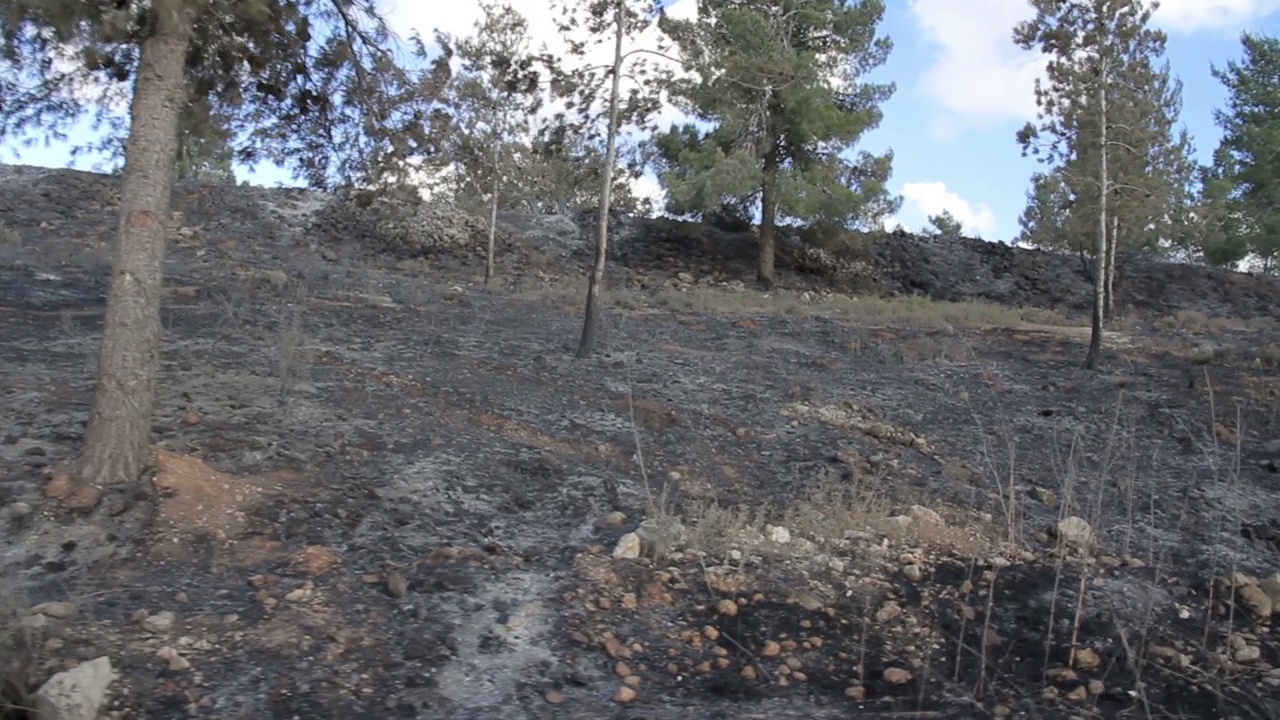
pixel 493 228
pixel 591 317
pixel 1109 310
pixel 117 448
pixel 765 272
pixel 1100 259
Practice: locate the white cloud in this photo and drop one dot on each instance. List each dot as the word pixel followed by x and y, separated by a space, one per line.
pixel 1188 16
pixel 925 199
pixel 979 78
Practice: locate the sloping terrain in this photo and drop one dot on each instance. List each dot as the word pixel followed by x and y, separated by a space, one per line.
pixel 387 491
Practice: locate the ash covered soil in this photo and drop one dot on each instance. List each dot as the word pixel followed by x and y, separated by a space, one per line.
pixel 384 490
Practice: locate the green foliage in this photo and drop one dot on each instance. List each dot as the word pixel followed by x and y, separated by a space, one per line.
pixel 492 99
pixel 313 85
pixel 945 225
pixel 1150 170
pixel 1245 177
pixel 781 85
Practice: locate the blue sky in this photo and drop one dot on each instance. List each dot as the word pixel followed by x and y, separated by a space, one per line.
pixel 963 90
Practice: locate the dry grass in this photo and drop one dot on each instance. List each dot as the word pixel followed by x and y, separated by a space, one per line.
pixel 911 311
pixel 1194 321
pixel 9 236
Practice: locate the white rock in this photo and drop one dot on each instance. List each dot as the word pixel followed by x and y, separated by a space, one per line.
pixel 777 534
pixel 161 622
pixel 628 547
pixel 75 694
pixel 922 515
pixel 1075 531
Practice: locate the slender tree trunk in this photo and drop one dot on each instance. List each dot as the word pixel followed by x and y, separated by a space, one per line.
pixel 1100 259
pixel 493 228
pixel 591 317
pixel 765 271
pixel 117 447
pixel 1109 310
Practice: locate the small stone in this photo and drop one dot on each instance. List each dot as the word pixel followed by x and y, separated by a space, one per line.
pixel 615 649
pixel 612 520
pixel 912 572
pixel 1097 687
pixel 554 697
pixel 1079 693
pixel 749 672
pixel 770 649
pixel 60 610
pixel 777 534
pixel 855 692
pixel 632 681
pixel 710 632
pixel 889 611
pixel 191 419
pixel 621 669
pixel 1086 659
pixel 897 676
pixel 161 622
pixel 628 547
pixel 397 585
pixel 727 607
pixel 625 694
pixel 629 601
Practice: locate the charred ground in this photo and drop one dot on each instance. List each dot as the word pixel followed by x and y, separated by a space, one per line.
pixel 386 491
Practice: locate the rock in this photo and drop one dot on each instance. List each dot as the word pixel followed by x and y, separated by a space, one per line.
pixel 912 572
pixel 628 547
pixel 176 661
pixel 1043 496
pixel 777 534
pixel 727 607
pixel 625 694
pixel 1079 693
pixel 1074 531
pixel 61 610
pixel 925 517
pixel 855 692
pixel 554 697
pixel 770 649
pixel 889 611
pixel 897 676
pixel 1271 586
pixel 1257 601
pixel 75 694
pixel 1086 659
pixel 397 585
pixel 161 622
pixel 612 520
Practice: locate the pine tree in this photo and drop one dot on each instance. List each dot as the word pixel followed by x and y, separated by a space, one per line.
pixel 615 22
pixel 492 100
pixel 1101 86
pixel 945 225
pixel 781 83
pixel 310 84
pixel 1248 162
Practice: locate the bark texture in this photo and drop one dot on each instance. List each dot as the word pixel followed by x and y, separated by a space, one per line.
pixel 117 447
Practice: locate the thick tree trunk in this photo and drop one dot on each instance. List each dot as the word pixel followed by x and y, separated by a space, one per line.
pixel 1109 310
pixel 591 316
pixel 765 272
pixel 117 448
pixel 1100 257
